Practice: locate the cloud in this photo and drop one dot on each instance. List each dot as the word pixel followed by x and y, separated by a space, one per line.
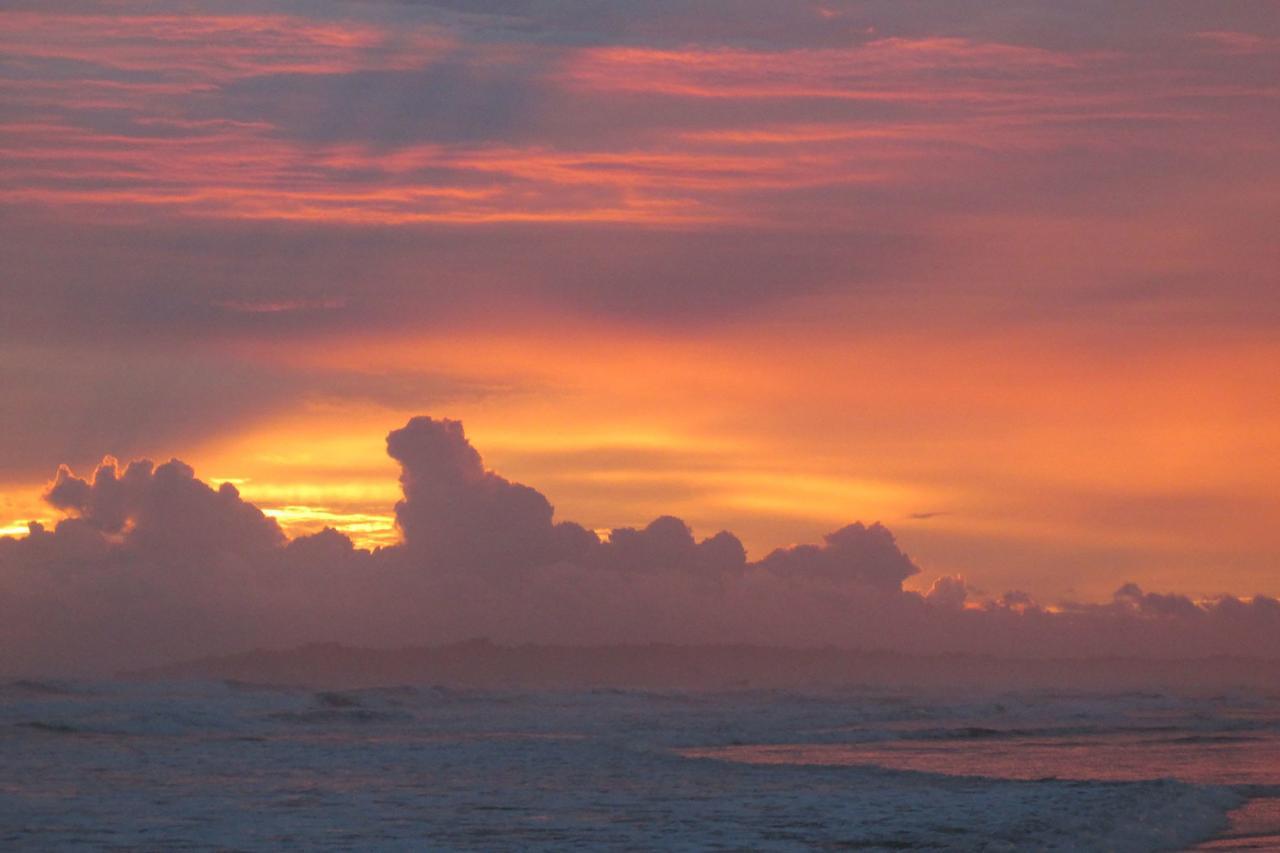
pixel 152 564
pixel 119 398
pixel 925 516
pixel 767 151
pixel 457 515
pixel 854 553
pixel 667 544
pixel 164 511
pixel 948 591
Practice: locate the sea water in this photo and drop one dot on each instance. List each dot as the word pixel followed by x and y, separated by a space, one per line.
pixel 237 766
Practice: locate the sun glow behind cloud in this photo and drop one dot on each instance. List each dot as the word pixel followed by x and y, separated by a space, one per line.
pixel 1010 291
pixel 1031 463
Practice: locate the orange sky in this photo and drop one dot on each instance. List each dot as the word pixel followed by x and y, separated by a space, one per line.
pixel 1007 288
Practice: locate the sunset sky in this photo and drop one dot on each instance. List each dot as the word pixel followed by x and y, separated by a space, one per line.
pixel 1000 276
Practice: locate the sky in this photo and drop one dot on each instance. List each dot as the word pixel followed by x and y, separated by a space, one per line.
pixel 999 277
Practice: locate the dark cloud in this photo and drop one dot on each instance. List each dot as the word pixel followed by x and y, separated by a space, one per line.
pixel 668 544
pixel 489 106
pixel 948 591
pixel 152 564
pixel 167 511
pixel 105 284
pixel 128 400
pixel 455 99
pixel 859 553
pixel 457 515
pixel 835 23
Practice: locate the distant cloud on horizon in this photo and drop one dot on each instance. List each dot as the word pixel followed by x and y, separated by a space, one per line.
pixel 151 564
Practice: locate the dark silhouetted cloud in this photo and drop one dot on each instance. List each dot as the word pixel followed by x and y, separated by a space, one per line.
pixel 864 554
pixel 457 515
pixel 151 564
pixel 165 511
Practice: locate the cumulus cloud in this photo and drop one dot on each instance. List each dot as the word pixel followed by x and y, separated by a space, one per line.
pixel 165 510
pixel 948 591
pixel 859 553
pixel 152 564
pixel 455 514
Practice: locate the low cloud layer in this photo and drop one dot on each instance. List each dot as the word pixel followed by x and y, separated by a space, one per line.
pixel 152 564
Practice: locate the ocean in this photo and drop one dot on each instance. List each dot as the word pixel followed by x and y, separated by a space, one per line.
pixel 235 766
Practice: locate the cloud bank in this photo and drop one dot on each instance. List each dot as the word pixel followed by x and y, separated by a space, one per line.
pixel 151 564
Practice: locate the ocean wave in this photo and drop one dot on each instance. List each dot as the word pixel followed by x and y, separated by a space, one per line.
pixel 29 687
pixel 51 727
pixel 345 716
pixel 235 766
pixel 1191 740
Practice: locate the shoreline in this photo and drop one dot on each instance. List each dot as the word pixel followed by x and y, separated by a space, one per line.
pixel 1253 825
